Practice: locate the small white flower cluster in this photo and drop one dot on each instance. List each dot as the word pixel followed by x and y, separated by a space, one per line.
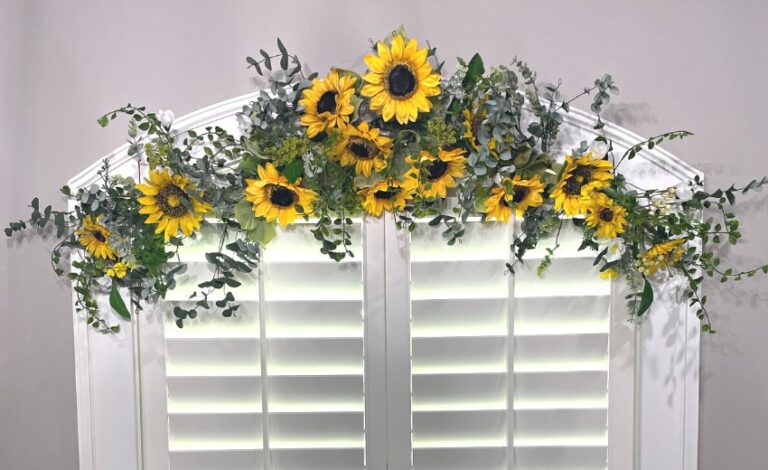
pixel 646 265
pixel 665 202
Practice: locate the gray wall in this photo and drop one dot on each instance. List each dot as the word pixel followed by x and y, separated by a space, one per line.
pixel 700 65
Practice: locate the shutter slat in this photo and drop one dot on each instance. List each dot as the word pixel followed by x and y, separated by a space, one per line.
pixel 215 431
pixel 461 459
pixel 317 459
pixel 201 460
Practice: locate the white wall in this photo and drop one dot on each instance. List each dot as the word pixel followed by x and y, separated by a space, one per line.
pixel 700 65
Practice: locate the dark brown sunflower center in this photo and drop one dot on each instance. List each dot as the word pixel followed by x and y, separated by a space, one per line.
pixel 363 149
pixel 327 102
pixel 98 236
pixel 606 214
pixel 282 196
pixel 171 200
pixel 437 169
pixel 401 81
pixel 580 176
pixel 384 194
pixel 519 194
pixel 503 202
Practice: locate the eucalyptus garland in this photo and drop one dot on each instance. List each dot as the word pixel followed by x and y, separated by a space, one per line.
pixel 402 138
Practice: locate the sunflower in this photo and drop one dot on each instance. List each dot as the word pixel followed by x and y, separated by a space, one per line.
pixel 327 103
pixel 496 205
pixel 400 81
pixel 169 202
pixel 363 147
pixel 94 237
pixel 390 195
pixel 274 197
pixel 580 177
pixel 438 173
pixel 661 255
pixel 608 218
pixel 472 125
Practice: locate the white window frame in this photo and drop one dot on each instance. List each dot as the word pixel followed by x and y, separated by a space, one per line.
pixel 655 363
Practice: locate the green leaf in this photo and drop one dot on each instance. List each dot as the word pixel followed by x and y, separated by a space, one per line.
pixel 103 121
pixel 263 233
pixel 646 298
pixel 117 303
pixel 475 70
pixel 293 170
pixel 244 214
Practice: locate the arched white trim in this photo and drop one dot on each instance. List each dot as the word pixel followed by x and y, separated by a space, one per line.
pixel 664 377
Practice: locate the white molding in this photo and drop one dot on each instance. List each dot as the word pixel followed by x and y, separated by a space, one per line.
pixel 672 432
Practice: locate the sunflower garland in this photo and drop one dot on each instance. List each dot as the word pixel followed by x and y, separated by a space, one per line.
pixel 401 139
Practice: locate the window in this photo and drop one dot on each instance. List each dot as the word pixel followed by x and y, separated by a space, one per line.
pixel 411 355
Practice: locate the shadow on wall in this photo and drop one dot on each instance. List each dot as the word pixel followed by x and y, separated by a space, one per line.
pixel 630 115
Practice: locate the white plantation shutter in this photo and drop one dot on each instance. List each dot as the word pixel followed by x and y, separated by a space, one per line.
pixel 500 371
pixel 508 372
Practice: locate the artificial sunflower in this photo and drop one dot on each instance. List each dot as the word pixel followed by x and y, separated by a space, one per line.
pixel 438 173
pixel 274 197
pixel 400 80
pixel 390 195
pixel 94 237
pixel 363 147
pixel 168 201
pixel 473 120
pixel 608 218
pixel 662 255
pixel 496 205
pixel 526 193
pixel 579 178
pixel 327 103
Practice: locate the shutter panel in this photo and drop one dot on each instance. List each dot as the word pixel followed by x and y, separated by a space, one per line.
pixel 299 392
pixel 507 362
pixel 213 374
pixel 459 311
pixel 314 328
